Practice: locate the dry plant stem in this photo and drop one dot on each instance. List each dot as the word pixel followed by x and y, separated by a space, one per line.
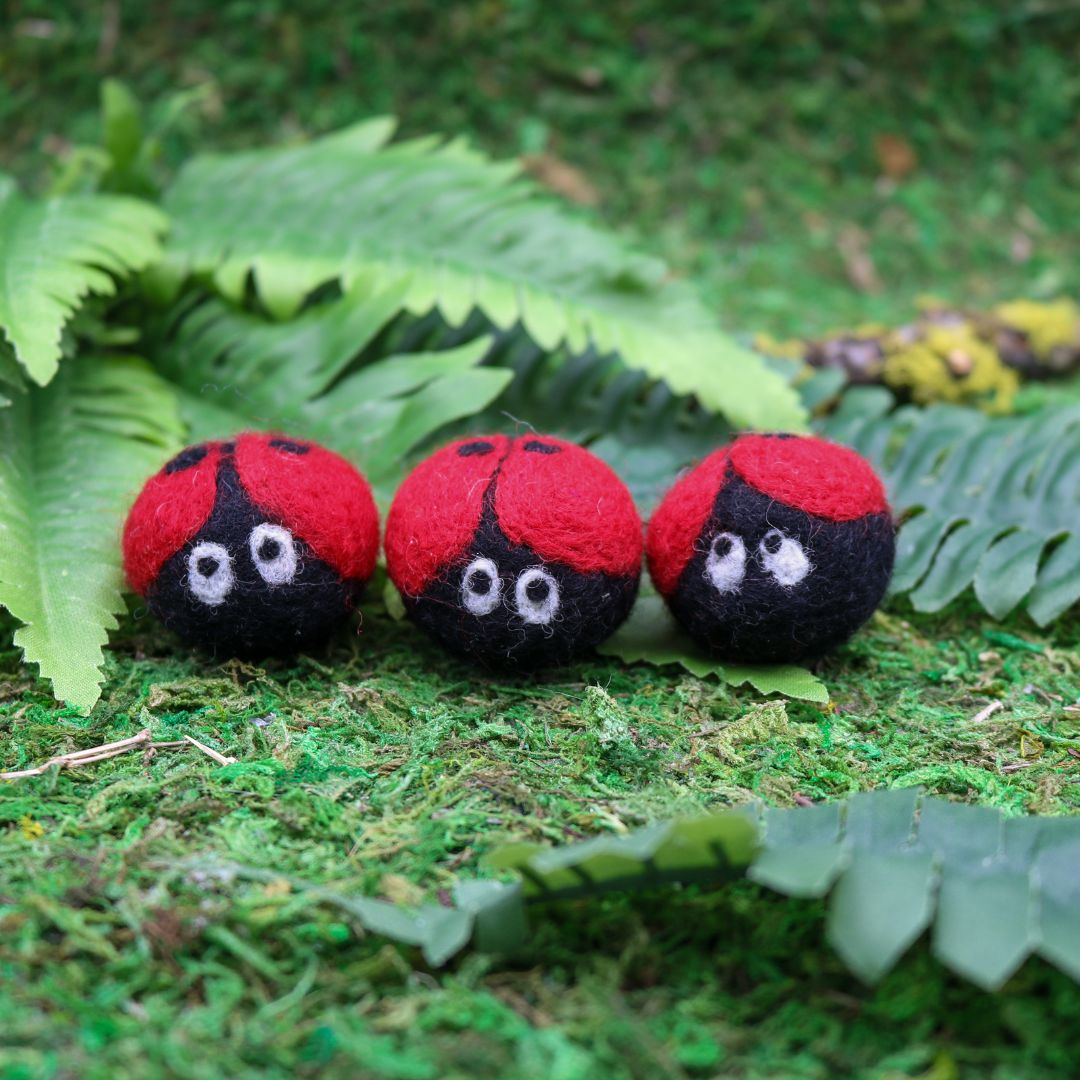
pixel 985 714
pixel 221 759
pixel 107 750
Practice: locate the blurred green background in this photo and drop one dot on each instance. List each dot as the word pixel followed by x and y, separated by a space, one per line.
pixel 816 164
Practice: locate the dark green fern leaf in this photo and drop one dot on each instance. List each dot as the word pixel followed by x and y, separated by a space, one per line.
pixel 992 502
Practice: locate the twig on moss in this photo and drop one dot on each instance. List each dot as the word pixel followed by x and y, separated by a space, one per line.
pixel 84 757
pixel 985 714
pixel 77 758
pixel 210 752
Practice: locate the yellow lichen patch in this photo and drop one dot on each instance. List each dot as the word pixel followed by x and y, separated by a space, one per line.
pixel 950 364
pixel 783 349
pixel 31 829
pixel 1048 326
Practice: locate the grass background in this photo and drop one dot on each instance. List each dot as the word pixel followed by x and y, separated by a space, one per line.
pixel 777 151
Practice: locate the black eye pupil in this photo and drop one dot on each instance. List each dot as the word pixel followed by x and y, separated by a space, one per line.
pixel 773 542
pixel 480 582
pixel 269 549
pixel 722 546
pixel 537 590
pixel 207 566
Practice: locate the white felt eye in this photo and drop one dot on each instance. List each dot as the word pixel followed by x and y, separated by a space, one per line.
pixel 784 558
pixel 536 594
pixel 725 565
pixel 481 587
pixel 273 552
pixel 210 574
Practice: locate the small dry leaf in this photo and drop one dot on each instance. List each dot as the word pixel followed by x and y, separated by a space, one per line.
pixel 400 890
pixel 896 157
pixel 861 271
pixel 562 178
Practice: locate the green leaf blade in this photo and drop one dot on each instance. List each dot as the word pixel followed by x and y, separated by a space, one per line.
pixel 58 250
pixel 880 906
pixel 466 233
pixel 69 466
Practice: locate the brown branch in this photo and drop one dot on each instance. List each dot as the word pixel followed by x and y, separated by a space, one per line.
pixel 77 758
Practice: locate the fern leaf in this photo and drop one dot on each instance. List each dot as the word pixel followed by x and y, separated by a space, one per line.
pixel 56 251
pixel 463 232
pixel 72 455
pixel 993 891
pixel 652 636
pixel 993 502
pixel 717 847
pixel 323 374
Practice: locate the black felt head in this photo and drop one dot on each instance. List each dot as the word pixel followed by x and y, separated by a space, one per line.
pixel 769 584
pixel 245 586
pixel 502 606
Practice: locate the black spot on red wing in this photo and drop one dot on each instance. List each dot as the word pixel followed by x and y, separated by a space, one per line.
pixel 289 447
pixel 187 459
pixel 473 449
pixel 228 448
pixel 534 446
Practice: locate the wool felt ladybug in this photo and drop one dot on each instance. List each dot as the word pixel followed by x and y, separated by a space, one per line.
pixel 515 551
pixel 256 546
pixel 775 548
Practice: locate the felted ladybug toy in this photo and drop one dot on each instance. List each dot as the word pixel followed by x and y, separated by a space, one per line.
pixel 775 548
pixel 515 551
pixel 255 546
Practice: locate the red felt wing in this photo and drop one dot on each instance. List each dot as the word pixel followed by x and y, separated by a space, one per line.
pixel 437 510
pixel 811 475
pixel 568 506
pixel 315 493
pixel 171 508
pixel 679 519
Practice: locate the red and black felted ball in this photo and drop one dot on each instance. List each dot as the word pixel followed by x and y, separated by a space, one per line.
pixel 775 548
pixel 256 546
pixel 515 551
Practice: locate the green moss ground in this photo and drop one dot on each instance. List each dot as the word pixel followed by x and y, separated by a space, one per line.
pixel 743 148
pixel 386 770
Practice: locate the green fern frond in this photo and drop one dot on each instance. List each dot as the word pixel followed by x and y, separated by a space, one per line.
pixel 895 864
pixel 463 233
pixel 55 252
pixel 652 636
pixel 994 502
pixel 324 375
pixel 992 890
pixel 72 456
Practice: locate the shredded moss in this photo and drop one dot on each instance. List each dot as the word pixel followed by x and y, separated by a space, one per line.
pixel 128 943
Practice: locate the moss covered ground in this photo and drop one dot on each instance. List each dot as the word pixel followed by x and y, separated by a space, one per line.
pixel 153 920
pixel 152 917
